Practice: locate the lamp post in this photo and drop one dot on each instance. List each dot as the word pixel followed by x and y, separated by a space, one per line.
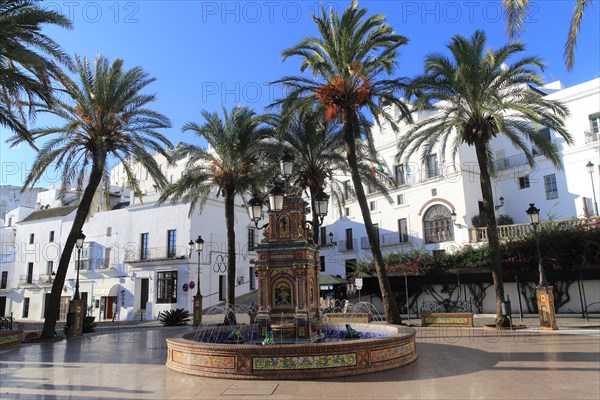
pixel 590 170
pixel 198 244
pixel 545 295
pixel 534 219
pixel 79 245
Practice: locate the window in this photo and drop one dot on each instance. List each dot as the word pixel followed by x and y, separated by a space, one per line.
pixel 372 205
pixel 9 221
pixel 399 174
pixel 166 287
pixel 222 287
pixel 31 238
pixel 434 192
pixel 349 244
pixel 403 230
pixel 437 224
pixel 252 276
pixel 4 281
pixel 347 190
pixel 371 188
pixel 322 263
pixel 30 272
pixel 347 211
pixel 550 186
pixel 51 236
pixel 432 166
pixel 524 182
pixel 595 123
pixel 106 261
pixel 49 267
pixel 251 241
pixel 109 231
pixel 350 266
pixel 144 246
pixel 171 242
pixel 545 134
pixel 25 307
pixel 323 236
pixel 400 199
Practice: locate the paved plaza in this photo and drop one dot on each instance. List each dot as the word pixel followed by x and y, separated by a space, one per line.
pixel 453 363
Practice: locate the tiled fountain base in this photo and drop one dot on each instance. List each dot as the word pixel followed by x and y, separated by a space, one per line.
pixel 295 361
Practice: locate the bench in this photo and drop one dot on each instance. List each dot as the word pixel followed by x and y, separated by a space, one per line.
pixel 447 313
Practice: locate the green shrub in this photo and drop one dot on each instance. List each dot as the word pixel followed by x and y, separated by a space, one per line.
pixel 480 220
pixel 504 219
pixel 89 325
pixel 175 317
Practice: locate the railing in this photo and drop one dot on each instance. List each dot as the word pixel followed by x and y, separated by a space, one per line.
pixel 156 253
pixel 521 230
pixel 510 162
pixel 344 245
pixel 591 136
pixel 45 279
pixel 6 323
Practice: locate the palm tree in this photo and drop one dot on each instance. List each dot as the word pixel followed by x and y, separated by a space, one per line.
pixel 108 117
pixel 318 148
pixel 517 11
pixel 232 165
pixel 481 97
pixel 347 62
pixel 28 61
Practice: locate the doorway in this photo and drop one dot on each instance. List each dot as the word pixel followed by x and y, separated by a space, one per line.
pixel 144 290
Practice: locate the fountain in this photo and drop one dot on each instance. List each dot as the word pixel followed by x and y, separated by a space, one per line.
pixel 288 338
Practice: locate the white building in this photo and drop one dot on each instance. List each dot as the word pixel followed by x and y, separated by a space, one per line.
pixel 420 215
pixel 135 262
pixel 11 198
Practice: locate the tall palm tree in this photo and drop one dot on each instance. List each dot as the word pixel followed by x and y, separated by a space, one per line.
pixel 107 116
pixel 480 97
pixel 517 11
pixel 231 165
pixel 317 145
pixel 28 61
pixel 347 62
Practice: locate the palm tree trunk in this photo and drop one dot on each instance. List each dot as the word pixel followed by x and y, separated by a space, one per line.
pixel 492 230
pixel 390 306
pixel 59 280
pixel 229 224
pixel 315 218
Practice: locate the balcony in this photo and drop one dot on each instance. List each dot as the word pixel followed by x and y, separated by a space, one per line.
pixel 506 232
pixel 156 254
pixel 591 136
pixel 345 245
pixel 36 280
pixel 510 162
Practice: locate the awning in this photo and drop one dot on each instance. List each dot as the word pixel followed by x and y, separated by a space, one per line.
pixel 108 290
pixel 327 279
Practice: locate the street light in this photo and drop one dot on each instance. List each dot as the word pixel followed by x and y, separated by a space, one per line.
pixel 534 218
pixel 199 246
pixel 590 170
pixel 79 245
pixel 277 195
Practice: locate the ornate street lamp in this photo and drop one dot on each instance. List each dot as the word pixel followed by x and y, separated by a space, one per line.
pixel 534 218
pixel 590 170
pixel 277 195
pixel 198 245
pixel 79 245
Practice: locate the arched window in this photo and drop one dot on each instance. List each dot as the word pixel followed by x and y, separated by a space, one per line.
pixel 437 224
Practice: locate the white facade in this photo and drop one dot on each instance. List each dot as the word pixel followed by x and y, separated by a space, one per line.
pixel 135 261
pixel 11 198
pixel 454 186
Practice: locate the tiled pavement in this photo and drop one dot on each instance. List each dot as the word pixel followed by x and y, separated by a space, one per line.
pixel 453 363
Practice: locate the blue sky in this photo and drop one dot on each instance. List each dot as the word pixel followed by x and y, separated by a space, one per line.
pixel 208 53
